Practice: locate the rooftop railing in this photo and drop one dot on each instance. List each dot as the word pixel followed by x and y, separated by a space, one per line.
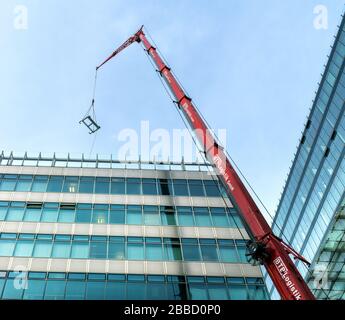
pixel 98 161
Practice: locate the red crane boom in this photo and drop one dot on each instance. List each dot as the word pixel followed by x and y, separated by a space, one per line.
pixel 265 247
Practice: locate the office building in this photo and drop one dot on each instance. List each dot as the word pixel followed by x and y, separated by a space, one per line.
pixel 310 210
pixel 75 228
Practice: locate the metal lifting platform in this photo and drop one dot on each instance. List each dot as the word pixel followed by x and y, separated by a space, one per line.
pixel 90 124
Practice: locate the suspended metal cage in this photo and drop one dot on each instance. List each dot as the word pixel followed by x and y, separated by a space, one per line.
pixel 90 124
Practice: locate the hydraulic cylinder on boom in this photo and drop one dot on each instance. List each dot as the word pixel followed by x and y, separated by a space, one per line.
pixel 265 247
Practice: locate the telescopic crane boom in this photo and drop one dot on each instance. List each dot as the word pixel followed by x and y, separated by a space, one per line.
pixel 265 247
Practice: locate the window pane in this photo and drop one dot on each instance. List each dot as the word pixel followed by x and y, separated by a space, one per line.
pixel 185 218
pixel 43 249
pixel 23 185
pixel 66 216
pixel 133 187
pixel 196 188
pixel 219 218
pixel 117 186
pixel 70 185
pixel 217 292
pixel 2 284
pixel 209 252
pixel 61 250
pixel 154 252
pixel 75 290
pixel 149 189
pixel 117 217
pixel 83 216
pixel 55 290
pixel 242 253
pixel 24 248
pixel 212 189
pixel 98 250
pixel 13 289
pixel 257 292
pixel 39 185
pixel 176 291
pixel 234 219
pixel 180 188
pixel 95 290
pixel 33 215
pixel 8 185
pixel 151 218
pixel 3 212
pixel 86 185
pixel 7 247
pixel 15 214
pixel 49 215
pixel 135 251
pixel 173 252
pixel 165 188
pixel 136 291
pixel 100 217
pixel 134 217
pixel 55 184
pixel 156 291
pixel 191 252
pixel 35 290
pixel 80 250
pixel 102 186
pixel 202 217
pixel 168 218
pixel 228 254
pixel 197 291
pixel 115 291
pixel 116 251
pixel 238 292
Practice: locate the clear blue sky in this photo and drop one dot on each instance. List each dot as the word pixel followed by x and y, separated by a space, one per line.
pixel 251 66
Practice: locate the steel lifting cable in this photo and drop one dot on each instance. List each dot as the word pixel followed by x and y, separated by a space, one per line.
pixel 157 48
pixel 94 95
pixel 206 161
pixel 92 105
pixel 93 144
pixel 252 189
pixel 218 141
pixel 235 165
pixel 88 120
pixel 188 127
pixel 214 179
pixel 214 134
pixel 250 186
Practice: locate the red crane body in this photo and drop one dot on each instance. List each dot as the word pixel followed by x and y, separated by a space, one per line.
pixel 266 248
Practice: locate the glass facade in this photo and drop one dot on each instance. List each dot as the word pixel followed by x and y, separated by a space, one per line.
pixel 140 236
pixel 114 186
pixel 119 214
pixel 316 183
pixel 98 286
pixel 121 248
pixel 329 266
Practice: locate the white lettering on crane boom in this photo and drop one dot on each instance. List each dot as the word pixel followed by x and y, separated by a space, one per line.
pixel 167 76
pixel 218 162
pixel 284 272
pixel 185 106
